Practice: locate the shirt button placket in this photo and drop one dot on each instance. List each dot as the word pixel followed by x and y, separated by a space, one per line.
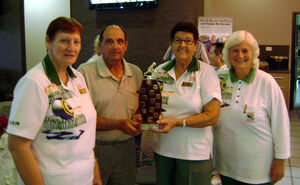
pixel 238 91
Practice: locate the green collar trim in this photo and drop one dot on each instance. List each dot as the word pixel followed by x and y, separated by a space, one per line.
pixel 248 79
pixel 193 66
pixel 169 65
pixel 51 72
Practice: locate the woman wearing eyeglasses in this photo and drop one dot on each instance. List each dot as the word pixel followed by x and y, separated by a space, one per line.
pixel 191 97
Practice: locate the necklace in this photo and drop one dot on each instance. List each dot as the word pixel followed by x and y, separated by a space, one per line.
pixel 118 73
pixel 119 76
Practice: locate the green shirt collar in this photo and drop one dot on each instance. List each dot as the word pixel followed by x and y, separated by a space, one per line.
pixel 194 66
pixel 248 79
pixel 51 72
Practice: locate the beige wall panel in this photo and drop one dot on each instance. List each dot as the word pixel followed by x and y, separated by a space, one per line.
pixel 269 20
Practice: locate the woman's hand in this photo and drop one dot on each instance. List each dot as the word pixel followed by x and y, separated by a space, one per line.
pixel 277 170
pixel 97 177
pixel 166 124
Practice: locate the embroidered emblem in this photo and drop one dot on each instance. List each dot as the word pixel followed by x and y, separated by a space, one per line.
pixel 250 117
pixel 16 123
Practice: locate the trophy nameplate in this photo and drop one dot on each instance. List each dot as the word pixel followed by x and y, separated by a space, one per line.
pixel 150 101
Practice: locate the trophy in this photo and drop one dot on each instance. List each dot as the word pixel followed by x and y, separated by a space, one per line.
pixel 150 101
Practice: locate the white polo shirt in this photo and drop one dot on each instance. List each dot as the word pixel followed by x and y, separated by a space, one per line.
pixel 61 122
pixel 253 128
pixel 182 98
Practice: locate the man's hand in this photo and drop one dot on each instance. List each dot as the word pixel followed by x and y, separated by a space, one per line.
pixel 138 118
pixel 277 170
pixel 129 127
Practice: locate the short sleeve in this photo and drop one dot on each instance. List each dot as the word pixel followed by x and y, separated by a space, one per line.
pixel 29 108
pixel 280 123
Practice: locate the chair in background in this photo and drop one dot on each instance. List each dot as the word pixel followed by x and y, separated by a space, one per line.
pixel 5 108
pixel 146 173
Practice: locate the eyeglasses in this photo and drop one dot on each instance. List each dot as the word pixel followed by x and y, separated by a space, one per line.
pixel 188 42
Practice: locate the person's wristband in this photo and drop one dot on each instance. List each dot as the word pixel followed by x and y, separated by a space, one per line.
pixel 184 123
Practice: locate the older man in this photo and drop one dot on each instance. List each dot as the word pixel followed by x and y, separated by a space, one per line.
pixel 114 85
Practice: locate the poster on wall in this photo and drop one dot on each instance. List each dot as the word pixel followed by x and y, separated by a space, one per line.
pixel 214 29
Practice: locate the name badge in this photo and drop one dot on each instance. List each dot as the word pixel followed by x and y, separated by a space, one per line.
pixel 82 91
pixel 187 84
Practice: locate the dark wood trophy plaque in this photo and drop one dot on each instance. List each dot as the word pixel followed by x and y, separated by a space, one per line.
pixel 150 101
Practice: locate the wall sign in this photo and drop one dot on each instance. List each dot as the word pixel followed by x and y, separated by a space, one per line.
pixel 214 28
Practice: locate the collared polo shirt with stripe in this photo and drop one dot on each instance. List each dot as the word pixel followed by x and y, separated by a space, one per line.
pixel 59 119
pixel 253 127
pixel 182 98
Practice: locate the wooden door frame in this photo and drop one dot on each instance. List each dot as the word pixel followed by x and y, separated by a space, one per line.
pixel 293 70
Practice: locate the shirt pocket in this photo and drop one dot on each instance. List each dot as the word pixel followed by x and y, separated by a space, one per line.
pixel 131 99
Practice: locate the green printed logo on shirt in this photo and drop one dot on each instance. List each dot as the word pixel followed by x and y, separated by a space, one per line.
pixel 165 78
pixel 165 100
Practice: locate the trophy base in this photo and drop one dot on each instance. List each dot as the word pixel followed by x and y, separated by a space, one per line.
pixel 150 126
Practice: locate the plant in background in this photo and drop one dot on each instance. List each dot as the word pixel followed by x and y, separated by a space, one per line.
pixel 3 124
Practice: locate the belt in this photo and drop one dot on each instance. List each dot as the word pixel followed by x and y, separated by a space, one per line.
pixel 112 142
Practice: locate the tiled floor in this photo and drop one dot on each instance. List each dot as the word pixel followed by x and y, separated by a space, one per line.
pixel 292 169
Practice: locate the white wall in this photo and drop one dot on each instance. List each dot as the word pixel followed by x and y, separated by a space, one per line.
pixel 38 14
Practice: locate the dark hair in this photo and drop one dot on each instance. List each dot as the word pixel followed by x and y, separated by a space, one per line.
pixel 218 48
pixel 103 30
pixel 185 27
pixel 63 24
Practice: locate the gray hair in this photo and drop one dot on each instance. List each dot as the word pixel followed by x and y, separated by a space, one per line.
pixel 237 38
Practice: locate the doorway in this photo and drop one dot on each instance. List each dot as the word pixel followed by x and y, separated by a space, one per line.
pixel 295 65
